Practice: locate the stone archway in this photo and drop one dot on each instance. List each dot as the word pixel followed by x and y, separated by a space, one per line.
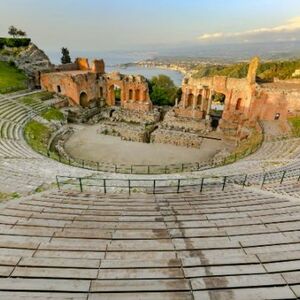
pixel 83 99
pixel 115 95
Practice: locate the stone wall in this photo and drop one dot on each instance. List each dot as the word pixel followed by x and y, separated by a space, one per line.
pixel 127 132
pixel 178 138
pixel 135 116
pixel 185 124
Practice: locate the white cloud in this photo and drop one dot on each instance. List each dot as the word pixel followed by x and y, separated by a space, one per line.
pixel 290 27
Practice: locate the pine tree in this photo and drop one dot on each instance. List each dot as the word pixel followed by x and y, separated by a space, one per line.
pixel 65 59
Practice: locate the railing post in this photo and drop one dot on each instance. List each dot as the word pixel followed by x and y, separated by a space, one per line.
pixel 116 169
pixel 178 185
pixel 224 182
pixel 283 175
pixel 182 167
pixel 104 185
pixel 129 186
pixel 131 169
pixel 264 179
pixel 154 186
pixel 148 169
pixel 57 182
pixel 82 163
pixel 69 161
pixel 245 179
pixel 201 186
pixel 97 165
pixel 80 185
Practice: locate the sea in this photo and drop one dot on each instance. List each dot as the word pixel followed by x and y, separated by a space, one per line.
pixel 113 60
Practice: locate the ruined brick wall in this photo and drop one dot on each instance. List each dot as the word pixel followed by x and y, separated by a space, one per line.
pixel 134 91
pixel 71 84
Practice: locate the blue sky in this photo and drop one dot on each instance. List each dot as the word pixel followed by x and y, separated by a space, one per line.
pixel 134 24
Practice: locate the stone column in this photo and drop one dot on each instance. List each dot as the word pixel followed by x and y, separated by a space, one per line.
pixel 176 102
pixel 194 102
pixel 209 104
pixel 202 100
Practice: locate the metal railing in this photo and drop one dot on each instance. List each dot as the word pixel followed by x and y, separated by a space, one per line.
pixel 178 185
pixel 147 169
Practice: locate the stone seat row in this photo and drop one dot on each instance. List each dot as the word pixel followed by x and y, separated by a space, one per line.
pixel 15 149
pixel 285 149
pixel 236 244
pixel 10 130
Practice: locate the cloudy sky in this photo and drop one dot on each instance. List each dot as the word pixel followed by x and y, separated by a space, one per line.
pixel 136 24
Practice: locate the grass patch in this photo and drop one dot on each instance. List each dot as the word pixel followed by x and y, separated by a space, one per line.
pixel 36 98
pixel 295 123
pixel 53 114
pixel 6 196
pixel 37 136
pixel 11 78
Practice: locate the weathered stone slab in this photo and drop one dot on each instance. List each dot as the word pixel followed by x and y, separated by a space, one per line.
pixel 237 281
pixel 69 254
pixel 274 293
pixel 141 255
pixel 279 256
pixel 84 233
pixel 54 273
pixel 223 270
pixel 50 285
pixel 292 277
pixel 42 296
pixel 205 243
pixel 153 273
pixel 118 264
pixel 74 244
pixel 59 262
pixel 143 296
pixel 141 234
pixel 139 285
pixel 203 260
pixel 141 245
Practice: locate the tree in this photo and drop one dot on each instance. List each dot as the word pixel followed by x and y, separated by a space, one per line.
pixel 65 59
pixel 21 33
pixel 13 31
pixel 162 90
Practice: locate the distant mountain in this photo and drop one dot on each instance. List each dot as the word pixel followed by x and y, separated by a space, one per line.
pixel 235 52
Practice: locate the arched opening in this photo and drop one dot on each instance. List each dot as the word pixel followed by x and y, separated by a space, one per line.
pixel 101 92
pixel 199 100
pixel 137 94
pixel 217 108
pixel 238 105
pixel 117 92
pixel 114 95
pixel 190 100
pixel 58 89
pixel 83 101
pixel 130 94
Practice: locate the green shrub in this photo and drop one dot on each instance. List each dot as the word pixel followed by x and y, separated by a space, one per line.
pixel 37 136
pixel 53 114
pixel 295 123
pixel 14 42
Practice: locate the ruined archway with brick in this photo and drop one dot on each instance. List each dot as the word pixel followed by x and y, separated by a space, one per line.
pixel 83 99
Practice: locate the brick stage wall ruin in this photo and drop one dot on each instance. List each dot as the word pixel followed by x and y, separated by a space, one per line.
pixel 83 84
pixel 246 101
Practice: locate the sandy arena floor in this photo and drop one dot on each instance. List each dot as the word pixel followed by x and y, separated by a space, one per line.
pixel 88 145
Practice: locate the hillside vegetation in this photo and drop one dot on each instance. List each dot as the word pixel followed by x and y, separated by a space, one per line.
pixel 266 71
pixel 11 78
